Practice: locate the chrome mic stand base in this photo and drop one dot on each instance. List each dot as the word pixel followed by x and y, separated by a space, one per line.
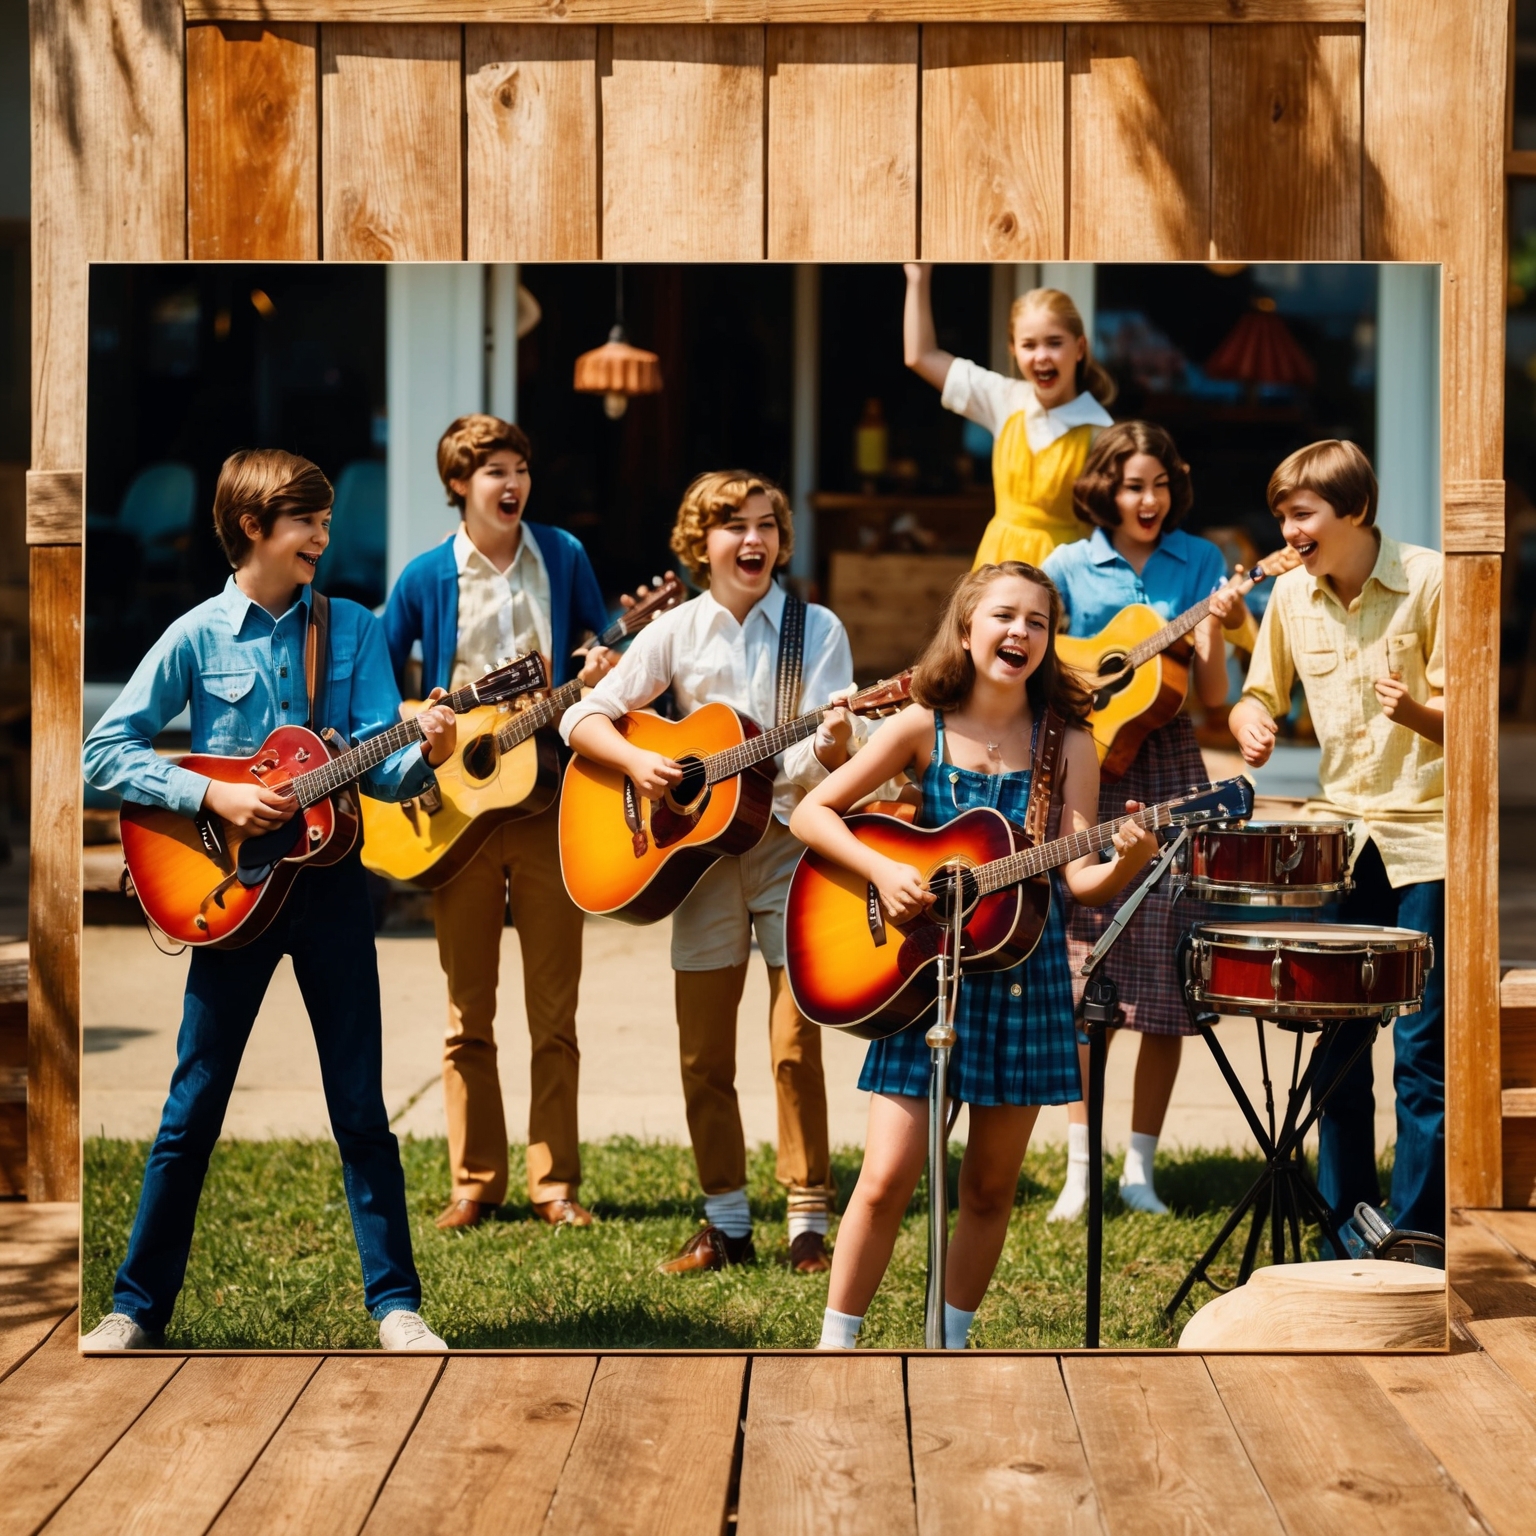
pixel 940 1040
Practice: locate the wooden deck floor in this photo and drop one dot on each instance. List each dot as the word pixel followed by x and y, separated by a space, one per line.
pixel 1139 1443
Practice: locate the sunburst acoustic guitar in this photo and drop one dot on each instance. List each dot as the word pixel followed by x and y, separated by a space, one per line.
pixel 202 881
pixel 852 970
pixel 1138 668
pixel 506 766
pixel 635 859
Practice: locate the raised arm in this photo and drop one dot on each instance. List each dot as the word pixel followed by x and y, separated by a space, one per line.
pixel 920 343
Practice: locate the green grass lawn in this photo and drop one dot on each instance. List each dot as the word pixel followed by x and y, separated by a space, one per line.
pixel 273 1264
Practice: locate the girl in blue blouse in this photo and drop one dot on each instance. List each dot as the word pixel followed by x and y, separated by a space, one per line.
pixel 1134 491
pixel 987 677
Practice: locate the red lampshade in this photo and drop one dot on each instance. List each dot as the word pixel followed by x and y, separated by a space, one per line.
pixel 1260 349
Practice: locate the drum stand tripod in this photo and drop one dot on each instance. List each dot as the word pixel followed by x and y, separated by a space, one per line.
pixel 1284 1194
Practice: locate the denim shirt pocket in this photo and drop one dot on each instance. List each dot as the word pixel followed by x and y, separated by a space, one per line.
pixel 224 700
pixel 338 701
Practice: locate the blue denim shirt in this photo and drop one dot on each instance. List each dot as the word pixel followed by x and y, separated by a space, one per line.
pixel 242 672
pixel 1096 581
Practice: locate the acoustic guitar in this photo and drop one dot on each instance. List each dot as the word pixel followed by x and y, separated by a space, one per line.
pixel 505 767
pixel 852 970
pixel 202 881
pixel 635 859
pixel 1138 668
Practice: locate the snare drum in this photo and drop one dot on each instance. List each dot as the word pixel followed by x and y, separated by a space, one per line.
pixel 1267 864
pixel 1308 970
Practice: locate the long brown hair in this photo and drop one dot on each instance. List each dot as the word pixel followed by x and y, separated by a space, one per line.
pixel 946 673
pixel 1091 376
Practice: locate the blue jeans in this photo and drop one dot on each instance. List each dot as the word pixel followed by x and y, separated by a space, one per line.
pixel 327 926
pixel 1346 1164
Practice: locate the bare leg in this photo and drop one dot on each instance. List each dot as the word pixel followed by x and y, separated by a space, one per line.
pixel 895 1150
pixel 989 1176
pixel 1157 1065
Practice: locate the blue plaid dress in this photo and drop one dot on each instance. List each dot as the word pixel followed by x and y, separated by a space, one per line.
pixel 1017 1042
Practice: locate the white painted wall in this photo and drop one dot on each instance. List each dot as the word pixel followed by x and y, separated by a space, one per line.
pixel 1079 281
pixel 501 339
pixel 436 370
pixel 1408 401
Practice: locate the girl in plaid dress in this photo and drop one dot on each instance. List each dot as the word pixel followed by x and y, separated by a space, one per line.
pixel 987 677
pixel 1134 491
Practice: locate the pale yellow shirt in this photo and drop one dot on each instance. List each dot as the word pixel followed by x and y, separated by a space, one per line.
pixel 1374 770
pixel 501 613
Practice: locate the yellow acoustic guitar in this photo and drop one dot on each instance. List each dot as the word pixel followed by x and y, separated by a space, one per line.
pixel 505 767
pixel 1138 667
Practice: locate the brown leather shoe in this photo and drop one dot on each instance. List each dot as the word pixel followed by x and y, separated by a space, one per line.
pixel 562 1213
pixel 464 1213
pixel 808 1254
pixel 710 1248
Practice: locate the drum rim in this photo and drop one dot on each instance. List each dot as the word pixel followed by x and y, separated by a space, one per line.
pixel 1265 828
pixel 1248 936
pixel 1268 1008
pixel 1197 887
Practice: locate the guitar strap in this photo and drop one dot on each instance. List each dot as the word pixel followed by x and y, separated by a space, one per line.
pixel 791 660
pixel 1042 783
pixel 317 657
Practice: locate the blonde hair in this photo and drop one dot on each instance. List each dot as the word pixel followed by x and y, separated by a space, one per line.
pixel 265 482
pixel 1337 471
pixel 1090 375
pixel 946 672
pixel 711 501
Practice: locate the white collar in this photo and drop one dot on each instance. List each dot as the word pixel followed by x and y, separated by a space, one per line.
pixel 770 606
pixel 1043 427
pixel 465 549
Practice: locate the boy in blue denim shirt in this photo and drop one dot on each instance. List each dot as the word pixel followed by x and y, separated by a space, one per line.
pixel 238 661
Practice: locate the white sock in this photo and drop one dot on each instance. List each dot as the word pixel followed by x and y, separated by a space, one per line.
pixel 729 1212
pixel 957 1326
pixel 839 1330
pixel 807 1221
pixel 1138 1160
pixel 1074 1193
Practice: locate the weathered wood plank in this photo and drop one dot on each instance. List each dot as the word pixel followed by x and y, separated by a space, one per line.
pixel 324 1467
pixel 1517 988
pixel 683 144
pixel 1516 1228
pixel 995 1447
pixel 253 143
pixel 53 920
pixel 1470 612
pixel 1140 108
pixel 39 1275
pixel 62 1413
pixel 654 1449
pixel 391 142
pixel 1332 1452
pixel 531 98
pixel 1285 118
pixel 1472 519
pixel 842 143
pixel 777 10
pixel 1162 1450
pixel 1495 1292
pixel 1518 1163
pixel 486 1456
pixel 1476 1421
pixel 826 1448
pixel 994 143
pixel 55 506
pixel 185 1455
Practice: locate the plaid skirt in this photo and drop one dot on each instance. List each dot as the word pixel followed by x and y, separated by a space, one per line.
pixel 1142 962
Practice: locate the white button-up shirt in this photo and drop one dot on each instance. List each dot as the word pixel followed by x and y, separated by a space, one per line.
pixel 501 613
pixel 705 657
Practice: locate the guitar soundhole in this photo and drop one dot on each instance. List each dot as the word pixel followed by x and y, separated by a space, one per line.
pixel 1109 666
pixel 942 884
pixel 684 797
pixel 481 757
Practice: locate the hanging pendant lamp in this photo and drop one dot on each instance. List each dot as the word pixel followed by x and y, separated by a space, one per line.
pixel 617 370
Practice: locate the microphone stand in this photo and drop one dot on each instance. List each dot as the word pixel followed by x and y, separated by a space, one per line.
pixel 940 1040
pixel 1101 1013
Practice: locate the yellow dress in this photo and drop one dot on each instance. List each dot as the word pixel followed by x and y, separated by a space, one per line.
pixel 1033 512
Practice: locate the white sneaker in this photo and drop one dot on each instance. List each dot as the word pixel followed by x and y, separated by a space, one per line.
pixel 1070 1203
pixel 115 1332
pixel 407 1331
pixel 1142 1197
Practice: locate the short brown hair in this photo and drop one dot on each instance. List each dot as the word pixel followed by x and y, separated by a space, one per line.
pixel 266 483
pixel 1337 471
pixel 711 501
pixel 946 671
pixel 469 442
pixel 1093 496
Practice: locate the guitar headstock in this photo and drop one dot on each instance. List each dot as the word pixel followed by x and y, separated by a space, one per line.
pixel 520 675
pixel 883 698
pixel 663 593
pixel 1230 800
pixel 1277 564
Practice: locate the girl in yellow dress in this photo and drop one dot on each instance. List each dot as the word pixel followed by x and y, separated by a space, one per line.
pixel 1042 423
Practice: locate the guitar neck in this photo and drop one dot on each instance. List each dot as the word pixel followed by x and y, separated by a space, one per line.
pixel 350 766
pixel 1176 629
pixel 1001 873
pixel 757 749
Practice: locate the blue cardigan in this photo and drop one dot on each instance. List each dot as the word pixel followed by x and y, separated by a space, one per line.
pixel 424 606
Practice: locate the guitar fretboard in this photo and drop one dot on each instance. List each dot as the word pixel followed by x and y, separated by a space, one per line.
pixel 1001 873
pixel 737 759
pixel 1176 629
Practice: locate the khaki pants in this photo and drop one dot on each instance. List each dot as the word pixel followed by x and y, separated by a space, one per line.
pixel 468 912
pixel 710 944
